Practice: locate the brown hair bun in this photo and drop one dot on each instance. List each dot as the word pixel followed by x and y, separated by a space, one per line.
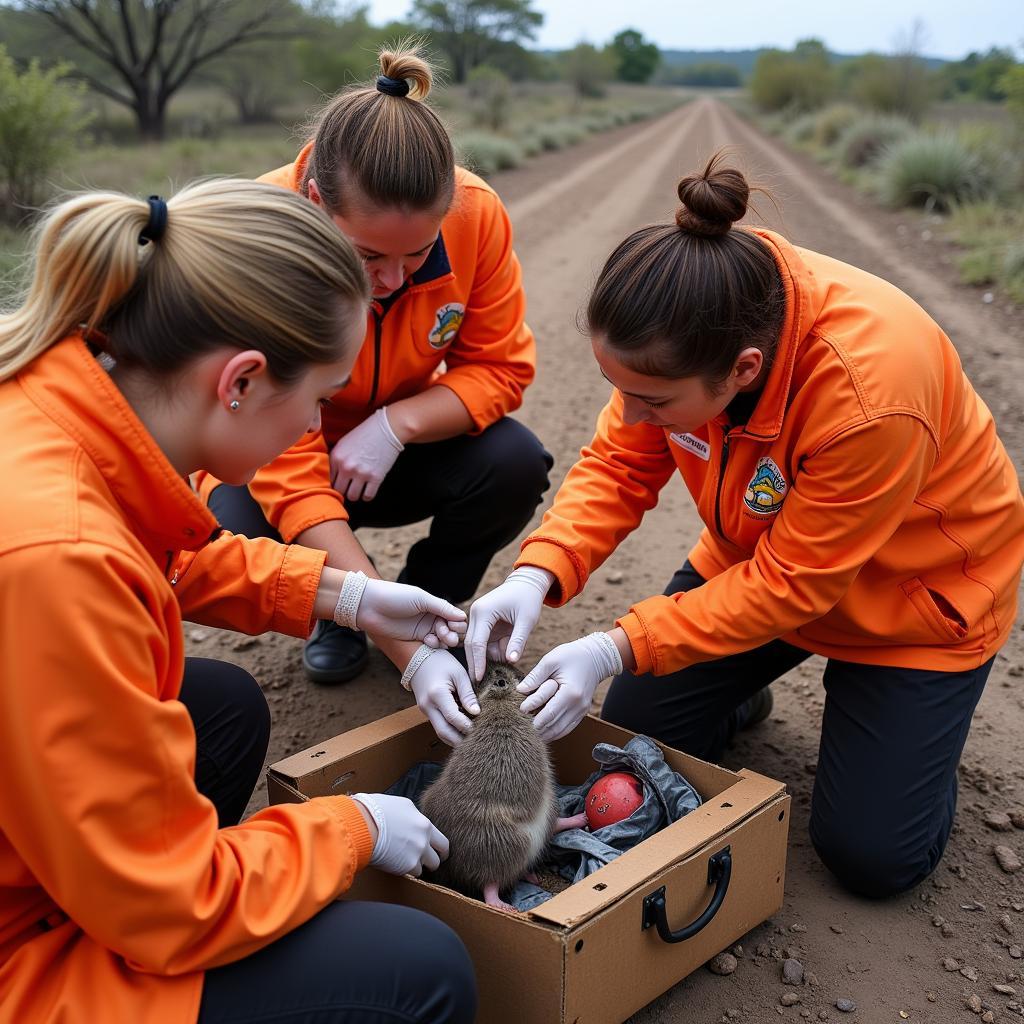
pixel 712 200
pixel 405 62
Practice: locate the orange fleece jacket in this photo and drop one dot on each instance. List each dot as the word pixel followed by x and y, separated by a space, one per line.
pixel 867 511
pixel 117 888
pixel 458 323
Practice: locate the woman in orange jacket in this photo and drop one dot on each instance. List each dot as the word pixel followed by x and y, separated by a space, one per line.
pixel 856 502
pixel 424 422
pixel 157 339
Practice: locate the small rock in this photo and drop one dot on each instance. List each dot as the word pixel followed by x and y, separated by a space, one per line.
pixel 846 1005
pixel 974 1004
pixel 823 1015
pixel 1008 860
pixel 798 927
pixel 988 1017
pixel 997 820
pixel 969 973
pixel 837 928
pixel 791 952
pixel 938 920
pixel 1005 990
pixel 946 929
pixel 198 635
pixel 806 1014
pixel 1017 817
pixel 930 996
pixel 724 963
pixel 988 298
pixel 811 979
pixel 789 999
pixel 733 1014
pixel 949 964
pixel 244 643
pixel 615 576
pixel 763 949
pixel 1006 924
pixel 792 972
pixel 737 951
pixel 1017 905
pixel 1016 952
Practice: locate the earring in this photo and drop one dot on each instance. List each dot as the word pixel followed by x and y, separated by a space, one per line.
pixel 235 405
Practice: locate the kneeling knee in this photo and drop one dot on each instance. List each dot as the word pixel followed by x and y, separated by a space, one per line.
pixel 870 865
pixel 444 958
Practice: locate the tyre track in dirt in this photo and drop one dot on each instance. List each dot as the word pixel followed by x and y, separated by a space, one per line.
pixel 568 212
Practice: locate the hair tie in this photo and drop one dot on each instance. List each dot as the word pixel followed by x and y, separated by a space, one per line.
pixel 157 222
pixel 392 86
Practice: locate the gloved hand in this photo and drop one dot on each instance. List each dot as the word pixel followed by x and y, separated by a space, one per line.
pixel 363 457
pixel 407 841
pixel 434 677
pixel 562 684
pixel 501 621
pixel 399 611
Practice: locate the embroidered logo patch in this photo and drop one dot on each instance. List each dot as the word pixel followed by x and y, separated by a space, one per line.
pixel 693 444
pixel 447 322
pixel 767 488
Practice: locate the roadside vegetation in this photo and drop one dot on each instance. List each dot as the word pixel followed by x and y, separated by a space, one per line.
pixel 947 140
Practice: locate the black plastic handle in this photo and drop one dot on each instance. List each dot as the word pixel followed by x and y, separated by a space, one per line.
pixel 656 913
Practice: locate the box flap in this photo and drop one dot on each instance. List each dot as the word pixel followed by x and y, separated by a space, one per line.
pixel 669 846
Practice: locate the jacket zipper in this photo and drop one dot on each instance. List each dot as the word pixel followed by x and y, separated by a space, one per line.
pixel 378 325
pixel 723 462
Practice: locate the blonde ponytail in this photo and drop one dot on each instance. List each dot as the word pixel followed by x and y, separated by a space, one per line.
pixel 382 146
pixel 239 263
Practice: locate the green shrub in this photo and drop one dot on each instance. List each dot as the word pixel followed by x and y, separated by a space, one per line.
pixel 487 154
pixel 1013 271
pixel 979 266
pixel 866 139
pixel 934 171
pixel 489 90
pixel 41 119
pixel 800 131
pixel 831 122
pixel 801 80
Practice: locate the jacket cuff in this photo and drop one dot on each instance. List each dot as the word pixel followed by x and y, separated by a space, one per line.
pixel 300 515
pixel 347 812
pixel 297 585
pixel 640 642
pixel 569 572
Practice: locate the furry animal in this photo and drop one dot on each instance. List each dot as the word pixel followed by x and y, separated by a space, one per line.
pixel 495 798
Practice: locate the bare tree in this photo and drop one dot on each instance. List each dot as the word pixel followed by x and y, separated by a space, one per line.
pixel 152 47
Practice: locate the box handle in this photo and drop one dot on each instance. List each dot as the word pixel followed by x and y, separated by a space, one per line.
pixel 655 911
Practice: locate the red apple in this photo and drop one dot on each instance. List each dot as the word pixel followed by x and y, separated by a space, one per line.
pixel 612 798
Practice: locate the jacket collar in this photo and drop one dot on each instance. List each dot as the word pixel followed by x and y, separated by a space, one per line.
pixel 805 297
pixel 73 390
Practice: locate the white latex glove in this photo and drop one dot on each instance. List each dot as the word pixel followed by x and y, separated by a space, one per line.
pixel 363 457
pixel 562 684
pixel 501 621
pixel 407 841
pixel 434 684
pixel 399 611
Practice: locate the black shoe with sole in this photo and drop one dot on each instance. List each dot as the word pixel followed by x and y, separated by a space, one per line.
pixel 334 654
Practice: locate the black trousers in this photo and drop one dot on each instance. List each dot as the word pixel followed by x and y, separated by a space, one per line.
pixel 891 739
pixel 480 489
pixel 358 963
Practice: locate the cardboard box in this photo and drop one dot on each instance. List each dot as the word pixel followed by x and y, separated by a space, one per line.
pixel 594 954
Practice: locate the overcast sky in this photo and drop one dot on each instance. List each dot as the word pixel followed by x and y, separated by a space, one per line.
pixel 952 28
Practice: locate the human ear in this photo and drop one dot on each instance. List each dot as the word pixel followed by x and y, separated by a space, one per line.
pixel 748 367
pixel 313 191
pixel 234 382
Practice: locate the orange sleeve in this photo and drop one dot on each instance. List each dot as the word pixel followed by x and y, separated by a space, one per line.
pixel 295 489
pixel 601 501
pixel 252 585
pixel 846 501
pixel 99 798
pixel 494 356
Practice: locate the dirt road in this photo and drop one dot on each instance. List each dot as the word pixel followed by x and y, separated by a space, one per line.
pixel 569 209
